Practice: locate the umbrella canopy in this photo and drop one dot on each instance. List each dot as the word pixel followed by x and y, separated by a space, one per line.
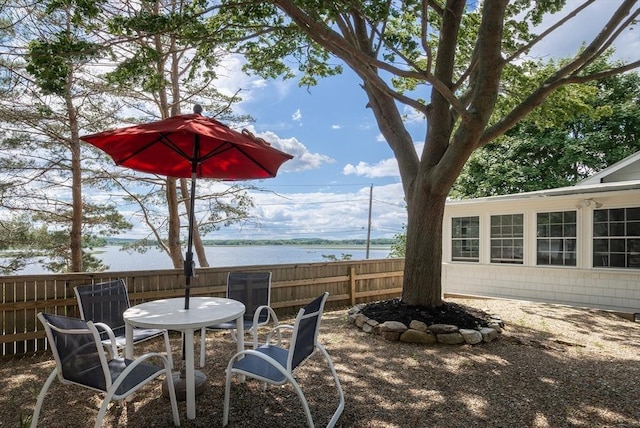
pixel 175 146
pixel 190 145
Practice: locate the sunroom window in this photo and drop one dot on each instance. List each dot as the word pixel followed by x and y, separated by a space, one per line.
pixel 616 238
pixel 465 239
pixel 556 238
pixel 507 238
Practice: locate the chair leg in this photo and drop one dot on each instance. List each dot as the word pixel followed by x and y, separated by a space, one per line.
pixel 302 398
pixel 168 345
pixel 172 394
pixel 43 392
pixel 227 393
pixel 338 412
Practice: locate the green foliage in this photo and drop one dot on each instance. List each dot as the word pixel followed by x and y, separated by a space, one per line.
pixel 51 62
pixel 600 125
pixel 48 244
pixel 334 258
pixel 399 245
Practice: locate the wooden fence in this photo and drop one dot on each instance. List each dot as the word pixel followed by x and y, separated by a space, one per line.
pixel 293 285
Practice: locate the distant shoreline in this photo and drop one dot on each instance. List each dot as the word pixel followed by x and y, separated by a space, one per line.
pixel 386 242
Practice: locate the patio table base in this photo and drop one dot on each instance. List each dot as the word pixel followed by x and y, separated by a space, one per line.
pixel 180 385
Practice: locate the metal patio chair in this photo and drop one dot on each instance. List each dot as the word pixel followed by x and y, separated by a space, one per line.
pixel 275 364
pixel 105 303
pixel 82 359
pixel 253 289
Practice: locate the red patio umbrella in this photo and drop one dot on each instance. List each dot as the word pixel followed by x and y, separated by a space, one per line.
pixel 190 145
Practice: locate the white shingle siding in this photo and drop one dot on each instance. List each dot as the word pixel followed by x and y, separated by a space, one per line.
pixel 581 285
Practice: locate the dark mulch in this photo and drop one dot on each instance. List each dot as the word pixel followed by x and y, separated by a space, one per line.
pixel 449 313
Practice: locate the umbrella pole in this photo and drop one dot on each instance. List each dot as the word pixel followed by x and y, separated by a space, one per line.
pixel 188 263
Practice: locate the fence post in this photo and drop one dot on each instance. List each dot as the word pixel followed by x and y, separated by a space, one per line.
pixel 352 285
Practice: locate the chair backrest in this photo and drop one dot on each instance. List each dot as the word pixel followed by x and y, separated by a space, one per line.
pixel 104 302
pixel 305 331
pixel 251 288
pixel 76 348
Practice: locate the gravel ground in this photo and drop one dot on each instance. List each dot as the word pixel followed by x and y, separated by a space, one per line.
pixel 553 366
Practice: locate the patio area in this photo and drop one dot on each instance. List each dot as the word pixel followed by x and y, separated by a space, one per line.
pixel 553 366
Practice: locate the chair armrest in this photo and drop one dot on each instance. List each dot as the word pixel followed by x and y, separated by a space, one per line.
pixel 113 347
pixel 256 318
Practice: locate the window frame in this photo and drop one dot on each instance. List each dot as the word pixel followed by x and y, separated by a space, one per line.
pixel 508 239
pixel 467 242
pixel 560 230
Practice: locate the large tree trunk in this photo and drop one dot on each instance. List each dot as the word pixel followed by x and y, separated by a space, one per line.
pixel 423 266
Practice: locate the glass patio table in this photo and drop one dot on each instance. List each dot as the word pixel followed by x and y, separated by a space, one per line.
pixel 170 314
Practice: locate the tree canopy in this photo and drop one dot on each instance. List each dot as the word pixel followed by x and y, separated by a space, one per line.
pixel 461 64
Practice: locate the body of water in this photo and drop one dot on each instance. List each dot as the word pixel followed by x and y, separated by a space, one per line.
pixel 228 256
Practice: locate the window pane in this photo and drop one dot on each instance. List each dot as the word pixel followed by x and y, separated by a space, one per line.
pixel 633 214
pixel 569 230
pixel 601 245
pixel 617 260
pixel 633 228
pixel 543 245
pixel 562 225
pixel 616 243
pixel 601 215
pixel 556 230
pixel 569 216
pixel 543 230
pixel 569 259
pixel 601 229
pixel 616 215
pixel 556 217
pixel 543 218
pixel 600 260
pixel 464 248
pixel 616 229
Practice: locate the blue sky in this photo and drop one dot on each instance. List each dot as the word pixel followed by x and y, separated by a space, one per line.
pixel 339 153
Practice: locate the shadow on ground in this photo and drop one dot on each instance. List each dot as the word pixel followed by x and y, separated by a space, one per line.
pixel 532 376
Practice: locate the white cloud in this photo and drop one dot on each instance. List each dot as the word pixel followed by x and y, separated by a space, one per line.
pixel 412 116
pixel 302 160
pixel 384 168
pixel 336 127
pixel 380 138
pixel 297 116
pixel 314 214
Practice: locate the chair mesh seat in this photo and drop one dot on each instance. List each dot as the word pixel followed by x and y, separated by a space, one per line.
pixel 259 367
pixel 143 372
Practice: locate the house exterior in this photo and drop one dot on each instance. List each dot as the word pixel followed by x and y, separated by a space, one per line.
pixel 577 245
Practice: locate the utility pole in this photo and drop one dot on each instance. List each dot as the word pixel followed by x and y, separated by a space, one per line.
pixel 369 225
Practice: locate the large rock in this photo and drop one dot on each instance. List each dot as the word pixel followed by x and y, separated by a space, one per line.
pixel 391 330
pixel 450 338
pixel 472 337
pixel 361 319
pixel 357 308
pixel 442 328
pixel 418 325
pixel 416 336
pixel 488 334
pixel 370 325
